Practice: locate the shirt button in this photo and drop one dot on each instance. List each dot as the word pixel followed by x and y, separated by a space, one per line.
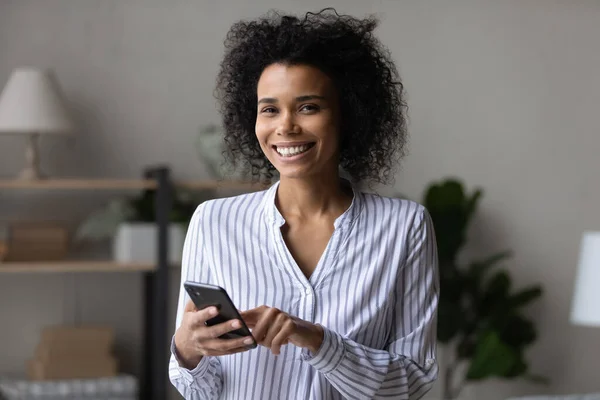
pixel 308 292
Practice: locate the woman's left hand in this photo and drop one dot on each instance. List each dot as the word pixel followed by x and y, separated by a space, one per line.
pixel 273 328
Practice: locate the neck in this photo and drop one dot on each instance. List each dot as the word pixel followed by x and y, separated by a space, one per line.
pixel 313 197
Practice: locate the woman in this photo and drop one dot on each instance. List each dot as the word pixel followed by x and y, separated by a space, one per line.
pixel 339 287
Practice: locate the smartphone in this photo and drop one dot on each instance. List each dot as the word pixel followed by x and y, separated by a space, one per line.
pixel 204 295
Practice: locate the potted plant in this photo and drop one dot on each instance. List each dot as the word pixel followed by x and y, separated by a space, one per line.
pixel 480 317
pixel 211 148
pixel 130 225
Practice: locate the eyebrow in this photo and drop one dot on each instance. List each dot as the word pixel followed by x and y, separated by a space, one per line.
pixel 299 98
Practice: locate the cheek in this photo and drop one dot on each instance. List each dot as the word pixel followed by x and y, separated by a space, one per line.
pixel 259 130
pixel 262 134
pixel 331 134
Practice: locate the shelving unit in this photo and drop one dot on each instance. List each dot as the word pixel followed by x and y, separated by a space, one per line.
pixel 82 184
pixel 72 266
pixel 120 184
pixel 154 372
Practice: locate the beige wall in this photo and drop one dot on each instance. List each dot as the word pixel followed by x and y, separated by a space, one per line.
pixel 502 94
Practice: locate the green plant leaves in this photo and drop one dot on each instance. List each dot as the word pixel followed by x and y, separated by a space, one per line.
pixel 479 309
pixel 144 208
pixel 525 296
pixel 450 210
pixel 103 223
pixel 518 332
pixel 450 321
pixel 478 269
pixel 492 358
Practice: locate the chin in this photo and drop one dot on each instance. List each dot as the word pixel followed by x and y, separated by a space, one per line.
pixel 295 173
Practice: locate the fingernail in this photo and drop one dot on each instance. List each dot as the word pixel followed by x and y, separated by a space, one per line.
pixel 236 324
pixel 248 341
pixel 213 311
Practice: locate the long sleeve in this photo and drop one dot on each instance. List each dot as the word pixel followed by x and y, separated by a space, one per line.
pixel 204 381
pixel 407 368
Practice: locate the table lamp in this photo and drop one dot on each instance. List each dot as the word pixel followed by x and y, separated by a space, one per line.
pixel 32 104
pixel 586 299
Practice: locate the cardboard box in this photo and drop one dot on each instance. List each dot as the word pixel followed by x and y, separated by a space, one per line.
pixel 67 342
pixel 99 337
pixel 73 352
pixel 3 250
pixel 37 241
pixel 75 368
pixel 50 354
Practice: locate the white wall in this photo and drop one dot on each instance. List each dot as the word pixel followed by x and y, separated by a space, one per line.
pixel 502 94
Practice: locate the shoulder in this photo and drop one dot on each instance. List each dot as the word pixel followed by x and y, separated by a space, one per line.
pixel 397 210
pixel 229 207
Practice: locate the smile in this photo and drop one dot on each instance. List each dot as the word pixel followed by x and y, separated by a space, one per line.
pixel 291 151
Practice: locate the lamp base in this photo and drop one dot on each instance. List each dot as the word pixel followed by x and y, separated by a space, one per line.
pixel 32 171
pixel 30 174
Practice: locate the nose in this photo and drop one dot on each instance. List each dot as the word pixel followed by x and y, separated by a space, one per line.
pixel 287 125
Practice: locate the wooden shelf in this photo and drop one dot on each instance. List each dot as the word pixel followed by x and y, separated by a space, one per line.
pixel 120 184
pixel 72 266
pixel 232 185
pixel 79 184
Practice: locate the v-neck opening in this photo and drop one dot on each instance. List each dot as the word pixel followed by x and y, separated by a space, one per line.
pixel 329 255
pixel 294 263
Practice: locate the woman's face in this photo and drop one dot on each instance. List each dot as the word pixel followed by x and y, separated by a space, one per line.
pixel 297 123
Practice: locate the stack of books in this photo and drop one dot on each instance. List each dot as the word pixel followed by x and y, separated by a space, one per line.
pixel 66 352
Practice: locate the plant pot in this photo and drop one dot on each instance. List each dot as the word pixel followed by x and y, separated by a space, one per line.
pixel 137 243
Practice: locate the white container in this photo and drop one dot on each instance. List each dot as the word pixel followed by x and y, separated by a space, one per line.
pixel 137 243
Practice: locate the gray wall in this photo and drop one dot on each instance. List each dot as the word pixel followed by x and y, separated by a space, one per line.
pixel 502 94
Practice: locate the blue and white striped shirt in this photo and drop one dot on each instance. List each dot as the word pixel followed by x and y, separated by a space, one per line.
pixel 375 291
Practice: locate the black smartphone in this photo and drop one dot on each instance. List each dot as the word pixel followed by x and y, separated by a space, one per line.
pixel 204 295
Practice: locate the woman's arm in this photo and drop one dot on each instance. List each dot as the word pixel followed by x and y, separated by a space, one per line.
pixel 407 368
pixel 204 381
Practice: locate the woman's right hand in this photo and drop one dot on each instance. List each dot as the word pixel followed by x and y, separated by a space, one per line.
pixel 194 340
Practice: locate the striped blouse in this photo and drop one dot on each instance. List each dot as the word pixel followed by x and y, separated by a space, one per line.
pixel 374 290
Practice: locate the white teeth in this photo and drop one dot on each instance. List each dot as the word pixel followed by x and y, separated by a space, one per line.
pixel 292 151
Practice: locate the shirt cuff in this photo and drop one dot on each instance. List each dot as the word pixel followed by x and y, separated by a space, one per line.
pixel 190 375
pixel 330 354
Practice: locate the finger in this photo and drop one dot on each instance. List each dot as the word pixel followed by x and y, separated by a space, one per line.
pixel 262 326
pixel 282 337
pixel 190 306
pixel 274 329
pixel 226 345
pixel 201 316
pixel 213 332
pixel 252 316
pixel 224 353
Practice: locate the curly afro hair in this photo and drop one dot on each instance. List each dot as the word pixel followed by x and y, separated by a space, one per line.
pixel 373 122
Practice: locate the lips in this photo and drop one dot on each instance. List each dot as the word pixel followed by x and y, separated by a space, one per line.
pixel 292 149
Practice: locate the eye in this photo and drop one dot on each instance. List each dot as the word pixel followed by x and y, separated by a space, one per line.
pixel 268 110
pixel 309 108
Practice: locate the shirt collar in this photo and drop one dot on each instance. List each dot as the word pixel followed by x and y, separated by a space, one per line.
pixel 274 217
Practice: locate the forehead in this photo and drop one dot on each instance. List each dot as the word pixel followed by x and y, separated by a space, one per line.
pixel 279 79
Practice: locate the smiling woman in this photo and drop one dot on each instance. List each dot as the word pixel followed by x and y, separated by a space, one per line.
pixel 298 120
pixel 367 89
pixel 339 287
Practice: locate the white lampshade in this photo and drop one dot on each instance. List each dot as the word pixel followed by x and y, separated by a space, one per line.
pixel 586 299
pixel 32 102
